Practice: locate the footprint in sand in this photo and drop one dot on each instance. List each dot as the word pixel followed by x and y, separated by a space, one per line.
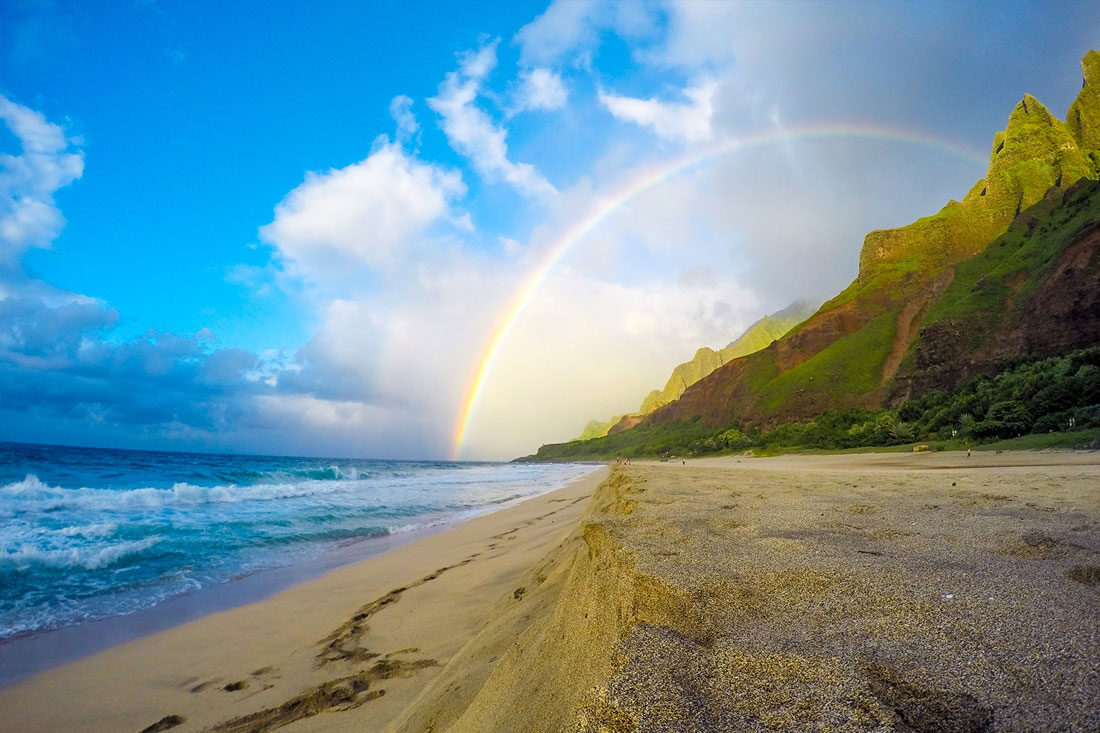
pixel 206 685
pixel 165 723
pixel 341 693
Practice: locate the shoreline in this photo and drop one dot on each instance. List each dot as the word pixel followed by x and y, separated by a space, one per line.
pixel 30 653
pixel 265 650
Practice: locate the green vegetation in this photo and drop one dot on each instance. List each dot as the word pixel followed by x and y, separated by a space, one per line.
pixel 1036 151
pixel 1033 404
pixel 1013 267
pixel 595 428
pixel 851 365
pixel 1083 117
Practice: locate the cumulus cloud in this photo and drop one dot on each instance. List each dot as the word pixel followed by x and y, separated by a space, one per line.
pixel 560 29
pixel 33 334
pixel 360 216
pixel 61 365
pixel 688 122
pixel 472 133
pixel 540 88
pixel 59 368
pixel 48 161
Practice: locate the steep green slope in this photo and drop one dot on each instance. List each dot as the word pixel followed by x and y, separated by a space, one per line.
pixel 850 352
pixel 706 360
pixel 1035 291
pixel 758 336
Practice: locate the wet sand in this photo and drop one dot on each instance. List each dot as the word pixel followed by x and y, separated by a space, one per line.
pixel 24 656
pixel 347 651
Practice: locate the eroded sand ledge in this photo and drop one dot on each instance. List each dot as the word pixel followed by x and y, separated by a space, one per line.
pixel 843 593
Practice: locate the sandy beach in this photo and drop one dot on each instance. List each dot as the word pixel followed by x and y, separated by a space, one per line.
pixel 865 592
pixel 363 639
pixel 876 592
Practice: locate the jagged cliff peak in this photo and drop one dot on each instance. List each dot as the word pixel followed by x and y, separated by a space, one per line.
pixel 1034 152
pixel 1083 117
pixel 1032 134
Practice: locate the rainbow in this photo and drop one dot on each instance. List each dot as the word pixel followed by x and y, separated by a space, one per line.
pixel 606 205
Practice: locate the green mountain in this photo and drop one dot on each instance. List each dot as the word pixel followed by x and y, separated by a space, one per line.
pixel 706 360
pixel 1011 271
pixel 867 347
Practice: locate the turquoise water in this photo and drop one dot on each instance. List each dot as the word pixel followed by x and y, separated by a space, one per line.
pixel 88 533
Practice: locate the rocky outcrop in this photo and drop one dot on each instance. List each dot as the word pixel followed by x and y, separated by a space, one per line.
pixel 626 422
pixel 1034 152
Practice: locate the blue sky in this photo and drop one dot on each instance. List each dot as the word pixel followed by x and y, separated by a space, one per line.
pixel 293 228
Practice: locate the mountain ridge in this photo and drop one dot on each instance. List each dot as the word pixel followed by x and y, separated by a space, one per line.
pixel 941 310
pixel 757 336
pixel 850 352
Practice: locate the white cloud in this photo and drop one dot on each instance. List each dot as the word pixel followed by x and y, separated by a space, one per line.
pixel 680 121
pixel 323 426
pixel 252 278
pixel 471 132
pixel 571 28
pixel 540 88
pixel 561 28
pixel 361 215
pixel 511 247
pixel 48 161
pixel 477 65
pixel 401 111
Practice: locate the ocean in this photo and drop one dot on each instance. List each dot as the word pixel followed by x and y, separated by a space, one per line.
pixel 89 533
